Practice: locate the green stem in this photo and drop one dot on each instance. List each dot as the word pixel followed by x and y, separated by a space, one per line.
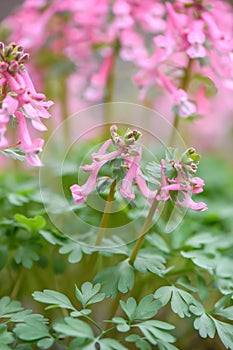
pixel 143 232
pixel 184 86
pixel 103 224
pixel 106 213
pixel 174 130
pixel 11 146
pixel 110 87
pixel 18 283
pixel 94 323
pixel 4 91
pixel 115 306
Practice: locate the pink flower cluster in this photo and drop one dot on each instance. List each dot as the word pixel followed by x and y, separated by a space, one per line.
pixel 20 101
pixel 185 38
pixel 198 40
pixel 180 179
pixel 130 154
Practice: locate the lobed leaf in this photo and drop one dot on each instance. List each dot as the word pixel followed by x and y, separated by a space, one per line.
pixel 116 278
pixel 53 298
pixel 89 294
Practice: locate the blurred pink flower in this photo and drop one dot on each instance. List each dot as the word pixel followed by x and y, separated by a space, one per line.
pixel 31 148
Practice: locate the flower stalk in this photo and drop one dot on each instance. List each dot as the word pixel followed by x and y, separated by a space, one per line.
pixel 184 86
pixel 144 230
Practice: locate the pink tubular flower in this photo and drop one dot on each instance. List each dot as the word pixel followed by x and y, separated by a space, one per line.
pixel 142 186
pixel 9 106
pixel 98 81
pixel 184 105
pixel 19 99
pixel 196 39
pixel 130 156
pixel 31 148
pixel 80 193
pixel 127 182
pixel 182 181
pixel 187 202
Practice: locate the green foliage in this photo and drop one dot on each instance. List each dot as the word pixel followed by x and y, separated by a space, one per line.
pixel 71 327
pixel 146 308
pixel 116 278
pixel 148 260
pixel 54 299
pixel 191 269
pixel 32 224
pixel 14 153
pixel 28 327
pixel 89 294
pixel 182 302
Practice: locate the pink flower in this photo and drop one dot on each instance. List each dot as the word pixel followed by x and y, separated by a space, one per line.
pixel 183 184
pixel 196 39
pixel 80 193
pixel 31 148
pixel 9 106
pixel 187 202
pixel 131 158
pixel 184 105
pixel 99 80
pixel 127 182
pixel 142 186
pixel 3 140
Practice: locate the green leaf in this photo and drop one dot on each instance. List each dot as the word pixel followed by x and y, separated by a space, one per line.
pixel 89 294
pixel 26 256
pixel 20 316
pixel 157 241
pixel 116 278
pixel 139 342
pixel 182 302
pixel 50 237
pixel 110 344
pixel 225 333
pixel 14 153
pixel 5 336
pixel 205 325
pixel 122 325
pixel 33 224
pixel 129 307
pixel 147 308
pixel 148 260
pixel 81 313
pixel 198 81
pixel 53 298
pixel 31 330
pixel 202 287
pixel 45 343
pixel 8 307
pixel 221 303
pixel 227 313
pixel 201 258
pixel 17 199
pixel 184 281
pixel 75 251
pixel 71 327
pixel 154 331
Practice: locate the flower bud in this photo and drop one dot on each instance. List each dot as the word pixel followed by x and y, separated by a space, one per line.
pixel 24 58
pixel 13 67
pixel 2 48
pixel 3 66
